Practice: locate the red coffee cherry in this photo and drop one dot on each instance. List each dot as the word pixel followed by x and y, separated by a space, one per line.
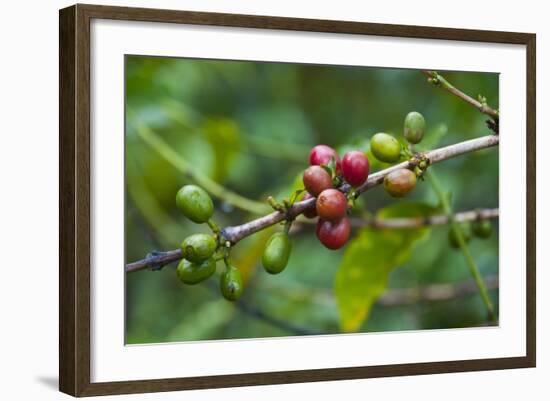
pixel 309 213
pixel 355 166
pixel 333 234
pixel 316 180
pixel 322 154
pixel 331 205
pixel 400 182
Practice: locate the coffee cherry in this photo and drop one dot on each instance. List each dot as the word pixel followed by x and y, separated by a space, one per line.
pixel 198 247
pixel 276 253
pixel 312 212
pixel 482 228
pixel 333 234
pixel 414 127
pixel 322 154
pixel 466 234
pixel 316 180
pixel 331 205
pixel 355 168
pixel 195 203
pixel 385 147
pixel 193 273
pixel 400 182
pixel 231 284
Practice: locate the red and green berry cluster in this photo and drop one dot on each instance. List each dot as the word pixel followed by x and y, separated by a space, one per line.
pixel 327 174
pixel 334 182
pixel 323 180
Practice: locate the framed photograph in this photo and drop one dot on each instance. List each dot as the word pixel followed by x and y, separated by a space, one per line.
pixel 249 200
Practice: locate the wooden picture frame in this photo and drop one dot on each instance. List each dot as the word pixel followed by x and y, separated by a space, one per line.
pixel 74 204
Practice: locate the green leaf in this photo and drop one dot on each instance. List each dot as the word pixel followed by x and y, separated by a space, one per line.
pixel 223 135
pixel 433 137
pixel 297 183
pixel 328 168
pixel 369 258
pixel 203 322
pixel 406 209
pixel 449 196
pixel 331 167
pixel 298 194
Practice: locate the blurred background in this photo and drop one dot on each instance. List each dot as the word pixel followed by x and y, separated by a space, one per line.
pixel 243 131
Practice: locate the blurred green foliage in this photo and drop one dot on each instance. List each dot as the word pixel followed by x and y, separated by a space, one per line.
pixel 370 257
pixel 248 127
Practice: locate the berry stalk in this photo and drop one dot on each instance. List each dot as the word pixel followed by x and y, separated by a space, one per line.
pixel 438 80
pixel 459 235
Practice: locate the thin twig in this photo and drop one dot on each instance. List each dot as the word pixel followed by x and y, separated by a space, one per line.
pixel 438 80
pixel 434 292
pixel 155 260
pixel 405 223
pixel 416 222
pixel 470 262
pixel 392 297
pixel 234 234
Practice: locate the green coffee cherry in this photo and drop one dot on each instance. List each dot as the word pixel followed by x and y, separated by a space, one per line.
pixel 231 284
pixel 482 228
pixel 198 247
pixel 385 147
pixel 276 253
pixel 195 203
pixel 414 127
pixel 193 273
pixel 466 233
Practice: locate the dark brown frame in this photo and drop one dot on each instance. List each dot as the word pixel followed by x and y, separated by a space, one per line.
pixel 74 202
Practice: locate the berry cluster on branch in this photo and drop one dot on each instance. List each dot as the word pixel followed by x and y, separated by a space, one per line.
pixel 156 259
pixel 331 187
